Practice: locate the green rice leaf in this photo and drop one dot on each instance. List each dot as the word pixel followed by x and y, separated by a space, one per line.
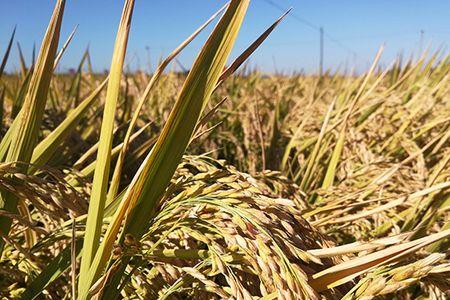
pixel 101 175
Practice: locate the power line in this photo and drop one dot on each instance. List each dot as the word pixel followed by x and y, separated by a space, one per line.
pixel 320 30
pixel 365 37
pixel 339 43
pixel 378 35
pixel 311 25
pixel 293 15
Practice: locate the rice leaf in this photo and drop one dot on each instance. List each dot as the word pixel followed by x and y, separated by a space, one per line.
pixel 6 55
pixel 348 270
pixel 24 137
pixel 101 174
pixel 113 189
pixel 47 147
pixel 156 171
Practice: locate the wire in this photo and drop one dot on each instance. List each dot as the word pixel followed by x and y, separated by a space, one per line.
pixel 294 16
pixel 339 43
pixel 312 26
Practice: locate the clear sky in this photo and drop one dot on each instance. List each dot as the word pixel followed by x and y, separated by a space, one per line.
pixel 158 26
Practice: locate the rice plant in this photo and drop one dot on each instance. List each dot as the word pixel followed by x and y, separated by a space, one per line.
pixel 222 183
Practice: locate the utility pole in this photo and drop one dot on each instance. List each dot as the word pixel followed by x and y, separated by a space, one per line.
pixel 422 33
pixel 321 52
pixel 183 69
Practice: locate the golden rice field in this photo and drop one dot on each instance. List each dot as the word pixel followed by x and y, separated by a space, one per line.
pixel 222 183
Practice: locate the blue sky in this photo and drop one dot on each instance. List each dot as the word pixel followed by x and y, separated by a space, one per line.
pixel 160 25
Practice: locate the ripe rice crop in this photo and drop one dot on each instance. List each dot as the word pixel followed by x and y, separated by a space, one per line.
pixel 222 183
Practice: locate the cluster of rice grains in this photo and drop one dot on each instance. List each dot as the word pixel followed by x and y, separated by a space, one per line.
pixel 230 235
